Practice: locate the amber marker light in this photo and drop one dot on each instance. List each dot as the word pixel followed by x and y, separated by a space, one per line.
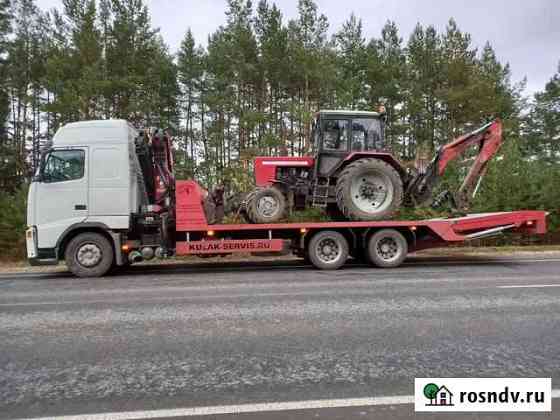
pixel 125 248
pixel 210 233
pixel 302 230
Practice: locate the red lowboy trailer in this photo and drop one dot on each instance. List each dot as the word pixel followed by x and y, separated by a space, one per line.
pixel 327 245
pixel 106 196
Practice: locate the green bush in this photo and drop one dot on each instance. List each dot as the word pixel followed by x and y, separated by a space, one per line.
pixel 517 182
pixel 13 224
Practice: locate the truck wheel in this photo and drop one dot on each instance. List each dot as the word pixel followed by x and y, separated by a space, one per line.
pixel 266 205
pixel 369 189
pixel 328 250
pixel 89 255
pixel 387 248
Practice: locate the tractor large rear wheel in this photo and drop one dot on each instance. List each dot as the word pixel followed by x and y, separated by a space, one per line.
pixel 369 189
pixel 266 205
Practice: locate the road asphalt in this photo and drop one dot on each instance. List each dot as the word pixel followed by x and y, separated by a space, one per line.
pixel 206 335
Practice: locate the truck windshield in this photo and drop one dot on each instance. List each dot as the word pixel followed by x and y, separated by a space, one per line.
pixel 366 134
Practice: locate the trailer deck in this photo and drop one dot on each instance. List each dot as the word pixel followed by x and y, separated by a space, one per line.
pixel 194 236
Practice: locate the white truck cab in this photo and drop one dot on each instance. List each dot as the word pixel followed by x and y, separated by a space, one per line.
pixel 89 182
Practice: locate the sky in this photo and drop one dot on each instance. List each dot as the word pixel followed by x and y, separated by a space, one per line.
pixel 524 33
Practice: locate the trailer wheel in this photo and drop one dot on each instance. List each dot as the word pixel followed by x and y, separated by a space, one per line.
pixel 266 205
pixel 89 255
pixel 328 250
pixel 387 248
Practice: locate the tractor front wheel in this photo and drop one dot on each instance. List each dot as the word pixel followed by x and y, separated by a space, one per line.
pixel 266 205
pixel 369 189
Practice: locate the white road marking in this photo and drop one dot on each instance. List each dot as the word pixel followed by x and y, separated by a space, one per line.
pixel 241 409
pixel 527 286
pixel 248 408
pixel 473 262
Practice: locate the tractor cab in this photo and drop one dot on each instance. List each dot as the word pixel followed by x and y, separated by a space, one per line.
pixel 337 134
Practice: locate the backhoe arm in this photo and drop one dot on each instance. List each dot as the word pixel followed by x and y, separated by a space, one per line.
pixel 488 138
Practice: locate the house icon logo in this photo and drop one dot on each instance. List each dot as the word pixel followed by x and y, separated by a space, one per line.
pixel 438 396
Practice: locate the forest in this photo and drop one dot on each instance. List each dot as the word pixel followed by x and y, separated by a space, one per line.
pixel 252 88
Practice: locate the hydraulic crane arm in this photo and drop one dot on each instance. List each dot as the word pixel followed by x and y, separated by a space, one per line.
pixel 488 138
pixel 154 150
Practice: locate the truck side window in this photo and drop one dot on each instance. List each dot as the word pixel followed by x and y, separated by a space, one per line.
pixel 335 135
pixel 64 165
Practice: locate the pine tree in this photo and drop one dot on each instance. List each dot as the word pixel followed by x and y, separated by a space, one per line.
pixel 77 66
pixel 311 64
pixel 5 29
pixel 131 50
pixel 190 70
pixel 272 37
pixel 500 98
pixel 352 64
pixel 424 74
pixel 386 78
pixel 244 65
pixel 23 73
pixel 543 123
pixel 161 95
pixel 459 91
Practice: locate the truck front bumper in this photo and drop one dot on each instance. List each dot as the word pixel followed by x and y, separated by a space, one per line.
pixel 34 256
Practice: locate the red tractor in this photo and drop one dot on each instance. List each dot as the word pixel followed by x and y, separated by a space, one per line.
pixel 350 171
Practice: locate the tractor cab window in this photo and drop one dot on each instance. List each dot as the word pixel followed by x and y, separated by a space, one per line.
pixel 315 137
pixel 335 135
pixel 366 134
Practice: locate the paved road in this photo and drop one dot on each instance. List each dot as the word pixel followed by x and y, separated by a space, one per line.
pixel 206 335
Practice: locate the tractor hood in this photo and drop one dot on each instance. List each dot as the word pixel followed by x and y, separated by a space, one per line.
pixel 265 167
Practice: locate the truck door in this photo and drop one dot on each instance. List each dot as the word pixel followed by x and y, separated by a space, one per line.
pixel 61 194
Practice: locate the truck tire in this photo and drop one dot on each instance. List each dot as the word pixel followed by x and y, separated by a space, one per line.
pixel 328 250
pixel 387 248
pixel 89 255
pixel 369 189
pixel 266 205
